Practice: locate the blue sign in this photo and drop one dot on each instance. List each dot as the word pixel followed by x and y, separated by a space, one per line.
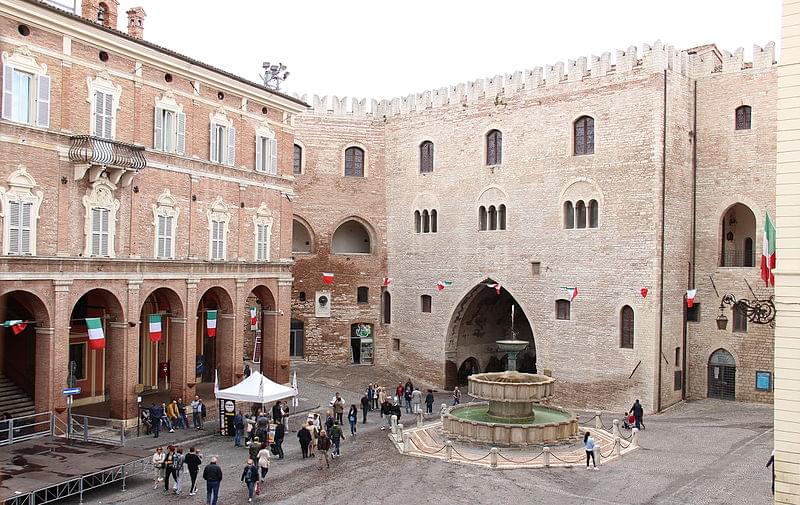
pixel 72 391
pixel 763 381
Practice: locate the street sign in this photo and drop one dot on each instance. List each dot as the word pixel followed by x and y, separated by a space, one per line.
pixel 72 391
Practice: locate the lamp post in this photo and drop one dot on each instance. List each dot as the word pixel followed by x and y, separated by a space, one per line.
pixel 274 74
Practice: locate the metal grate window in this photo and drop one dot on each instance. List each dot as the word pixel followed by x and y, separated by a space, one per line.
pixel 297 160
pixel 354 162
pixel 584 135
pixel 743 117
pixel 562 310
pixel 426 157
pixel 626 327
pixel 494 147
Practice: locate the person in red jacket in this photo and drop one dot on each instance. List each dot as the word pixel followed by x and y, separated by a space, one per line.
pixel 399 393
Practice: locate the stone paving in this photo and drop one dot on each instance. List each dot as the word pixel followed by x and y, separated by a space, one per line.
pixel 707 452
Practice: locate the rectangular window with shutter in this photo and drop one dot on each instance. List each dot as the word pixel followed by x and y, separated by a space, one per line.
pixel 164 237
pixel 19 227
pixel 217 240
pixel 100 232
pixel 262 243
pixel 219 143
pixel 262 153
pixel 103 115
pixel 26 97
pixel 273 159
pixel 169 131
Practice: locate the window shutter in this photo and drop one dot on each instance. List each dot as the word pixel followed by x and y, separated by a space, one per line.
pixel 95 249
pixel 43 102
pixel 13 228
pixel 259 154
pixel 99 102
pixel 109 115
pixel 273 151
pixel 168 236
pixel 231 146
pixel 158 130
pixel 213 155
pixel 25 228
pixel 104 235
pixel 181 135
pixel 8 90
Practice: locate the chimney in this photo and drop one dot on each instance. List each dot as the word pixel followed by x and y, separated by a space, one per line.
pixel 136 17
pixel 103 13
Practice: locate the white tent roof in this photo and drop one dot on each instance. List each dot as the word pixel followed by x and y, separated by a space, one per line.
pixel 255 389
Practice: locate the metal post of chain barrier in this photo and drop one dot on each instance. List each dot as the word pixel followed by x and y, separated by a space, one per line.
pixel 598 423
pixel 546 452
pixel 406 443
pixel 635 439
pixel 448 450
pixel 493 457
pixel 615 428
pixel 400 432
pixel 617 446
pixel 393 421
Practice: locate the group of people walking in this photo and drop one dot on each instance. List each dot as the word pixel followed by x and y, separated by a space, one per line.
pixel 169 466
pixel 173 415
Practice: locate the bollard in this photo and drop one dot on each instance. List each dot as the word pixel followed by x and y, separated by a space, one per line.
pixel 635 439
pixel 400 431
pixel 443 411
pixel 546 451
pixel 406 443
pixel 493 457
pixel 448 450
pixel 419 418
pixel 598 423
pixel 393 421
pixel 615 428
pixel 596 452
pixel 617 446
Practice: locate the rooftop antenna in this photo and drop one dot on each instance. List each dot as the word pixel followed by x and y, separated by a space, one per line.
pixel 274 75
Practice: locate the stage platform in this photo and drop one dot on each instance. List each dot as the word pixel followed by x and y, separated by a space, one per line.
pixel 49 468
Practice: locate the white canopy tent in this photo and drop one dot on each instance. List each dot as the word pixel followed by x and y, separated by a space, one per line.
pixel 255 389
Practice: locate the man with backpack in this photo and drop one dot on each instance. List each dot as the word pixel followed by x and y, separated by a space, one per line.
pixel 336 437
pixel 250 478
pixel 238 427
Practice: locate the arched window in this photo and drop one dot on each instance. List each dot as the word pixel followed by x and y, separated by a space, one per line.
pixel 749 260
pixel 387 307
pixel 297 160
pixel 626 327
pixel 584 135
pixel 593 214
pixel 492 217
pixel 351 237
pixel 501 217
pixel 743 117
pixel 434 224
pixel 580 214
pixel 738 237
pixel 301 296
pixel 426 222
pixel 494 147
pixel 425 303
pixel 482 218
pixel 417 222
pixel 562 310
pixel 301 238
pixel 426 157
pixel 354 162
pixel 102 13
pixel 569 216
pixel 362 294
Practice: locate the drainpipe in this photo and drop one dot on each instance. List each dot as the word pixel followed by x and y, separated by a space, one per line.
pixel 661 253
pixel 684 368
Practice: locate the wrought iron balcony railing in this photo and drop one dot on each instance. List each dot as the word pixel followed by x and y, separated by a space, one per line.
pixel 111 153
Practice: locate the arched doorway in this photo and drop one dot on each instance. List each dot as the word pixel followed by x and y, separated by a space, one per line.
pixel 259 331
pixel 213 325
pixel 467 368
pixel 722 375
pixel 481 318
pixel 92 364
pixel 158 351
pixel 21 313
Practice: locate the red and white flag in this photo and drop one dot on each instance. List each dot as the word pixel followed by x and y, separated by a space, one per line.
pixel 17 325
pixel 643 292
pixel 497 287
pixel 573 292
pixel 211 322
pixel 253 319
pixel 327 278
pixel 443 284
pixel 690 294
pixel 387 281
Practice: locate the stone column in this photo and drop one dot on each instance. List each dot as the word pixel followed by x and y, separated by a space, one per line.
pixel 275 343
pixel 44 387
pixel 227 359
pixel 190 328
pixel 269 367
pixel 178 359
pixel 58 356
pixel 120 369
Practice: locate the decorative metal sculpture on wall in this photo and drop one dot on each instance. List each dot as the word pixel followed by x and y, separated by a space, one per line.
pixel 757 311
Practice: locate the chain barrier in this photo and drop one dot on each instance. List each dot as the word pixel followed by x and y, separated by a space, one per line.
pixel 625 446
pixel 606 456
pixel 470 459
pixel 566 462
pixel 423 450
pixel 626 438
pixel 500 454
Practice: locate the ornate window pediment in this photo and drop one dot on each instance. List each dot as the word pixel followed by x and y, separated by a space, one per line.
pixel 26 89
pixel 262 231
pixel 101 218
pixel 19 207
pixel 104 98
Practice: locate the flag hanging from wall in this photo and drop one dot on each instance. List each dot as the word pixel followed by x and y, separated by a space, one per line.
pixel 211 322
pixel 497 287
pixel 443 284
pixel 17 325
pixel 253 318
pixel 97 339
pixel 690 294
pixel 154 327
pixel 327 278
pixel 768 252
pixel 387 281
pixel 571 291
pixel 643 292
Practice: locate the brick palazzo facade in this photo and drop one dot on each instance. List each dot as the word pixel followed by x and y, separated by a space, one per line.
pixel 652 171
pixel 135 181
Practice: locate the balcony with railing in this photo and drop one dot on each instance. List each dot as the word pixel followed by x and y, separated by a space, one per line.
pixel 95 155
pixel 741 259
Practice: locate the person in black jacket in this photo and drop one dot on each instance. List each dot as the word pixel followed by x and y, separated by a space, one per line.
pixel 156 413
pixel 304 436
pixel 277 412
pixel 364 408
pixel 280 432
pixel 238 426
pixel 250 477
pixel 193 461
pixel 212 474
pixel 638 414
pixel 386 413
pixel 429 402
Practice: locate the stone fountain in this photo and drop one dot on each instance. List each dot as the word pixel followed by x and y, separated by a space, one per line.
pixel 511 413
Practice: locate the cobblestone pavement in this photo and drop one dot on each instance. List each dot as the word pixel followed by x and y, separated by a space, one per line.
pixel 706 452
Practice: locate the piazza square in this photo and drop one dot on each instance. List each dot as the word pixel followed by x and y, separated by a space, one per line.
pixel 326 280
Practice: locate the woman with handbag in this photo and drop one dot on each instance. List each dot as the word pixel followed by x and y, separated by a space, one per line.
pixel 158 466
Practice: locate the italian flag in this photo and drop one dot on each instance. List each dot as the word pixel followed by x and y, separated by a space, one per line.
pixel 211 322
pixel 17 325
pixel 443 284
pixel 253 319
pixel 327 278
pixel 97 339
pixel 768 252
pixel 690 294
pixel 154 328
pixel 572 292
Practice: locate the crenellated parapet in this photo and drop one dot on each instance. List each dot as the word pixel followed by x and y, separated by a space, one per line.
pixel 695 63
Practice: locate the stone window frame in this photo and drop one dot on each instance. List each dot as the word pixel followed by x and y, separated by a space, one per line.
pixel 102 82
pixel 372 234
pixel 220 118
pixel 420 147
pixel 573 197
pixel 621 329
pixel 167 102
pixel 263 131
pixel 262 217
pixel 21 186
pixel 485 150
pixel 299 143
pixel 485 201
pixel 744 107
pixel 426 302
pixel 573 128
pixel 218 211
pixel 101 196
pixel 561 302
pixel 22 59
pixel 165 206
pixel 366 160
